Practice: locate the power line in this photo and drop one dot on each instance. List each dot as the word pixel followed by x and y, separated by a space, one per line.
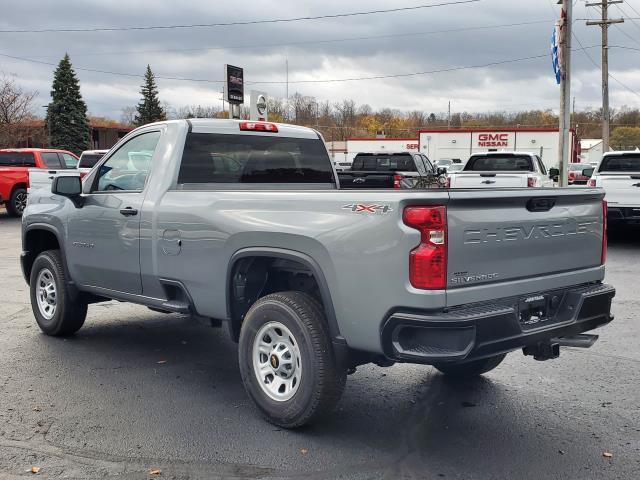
pixel 306 42
pixel 239 23
pixel 279 82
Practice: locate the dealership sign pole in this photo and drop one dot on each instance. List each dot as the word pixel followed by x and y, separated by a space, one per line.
pixel 563 56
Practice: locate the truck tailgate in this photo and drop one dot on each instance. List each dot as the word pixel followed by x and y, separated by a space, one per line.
pixel 622 190
pixel 497 236
pixel 490 180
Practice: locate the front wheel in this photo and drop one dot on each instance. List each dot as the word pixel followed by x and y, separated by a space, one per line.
pixel 17 202
pixel 470 369
pixel 56 312
pixel 286 359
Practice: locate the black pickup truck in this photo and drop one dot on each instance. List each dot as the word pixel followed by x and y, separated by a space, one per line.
pixel 390 170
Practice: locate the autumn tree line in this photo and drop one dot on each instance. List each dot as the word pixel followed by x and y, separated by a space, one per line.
pixel 67 121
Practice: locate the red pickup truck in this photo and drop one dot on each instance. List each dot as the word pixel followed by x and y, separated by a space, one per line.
pixel 14 172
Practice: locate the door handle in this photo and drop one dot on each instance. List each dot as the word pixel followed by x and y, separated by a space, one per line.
pixel 129 212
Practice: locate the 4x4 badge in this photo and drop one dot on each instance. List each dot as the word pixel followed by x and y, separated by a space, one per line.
pixel 368 208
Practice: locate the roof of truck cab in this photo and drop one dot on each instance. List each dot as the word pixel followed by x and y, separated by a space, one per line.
pixel 232 127
pixel 506 152
pixel 621 152
pixel 32 150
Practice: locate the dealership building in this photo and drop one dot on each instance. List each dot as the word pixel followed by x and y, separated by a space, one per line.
pixel 461 143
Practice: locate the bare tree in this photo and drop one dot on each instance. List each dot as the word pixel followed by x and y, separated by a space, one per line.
pixel 16 113
pixel 128 115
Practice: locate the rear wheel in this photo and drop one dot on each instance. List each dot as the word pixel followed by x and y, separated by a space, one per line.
pixel 471 369
pixel 17 202
pixel 56 312
pixel 286 359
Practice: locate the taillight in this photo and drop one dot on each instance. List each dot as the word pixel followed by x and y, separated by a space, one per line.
pixel 396 181
pixel 428 261
pixel 603 255
pixel 591 182
pixel 83 174
pixel 571 175
pixel 531 182
pixel 259 127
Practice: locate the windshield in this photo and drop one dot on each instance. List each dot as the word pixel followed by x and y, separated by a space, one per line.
pixel 621 163
pixel 444 163
pixel 578 167
pixel 504 163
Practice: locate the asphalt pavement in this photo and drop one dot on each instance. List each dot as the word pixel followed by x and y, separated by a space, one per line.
pixel 136 391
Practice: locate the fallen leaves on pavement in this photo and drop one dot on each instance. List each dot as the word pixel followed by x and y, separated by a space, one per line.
pixel 607 455
pixel 35 469
pixel 155 471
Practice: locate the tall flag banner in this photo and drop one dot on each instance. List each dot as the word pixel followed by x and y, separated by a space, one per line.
pixel 554 54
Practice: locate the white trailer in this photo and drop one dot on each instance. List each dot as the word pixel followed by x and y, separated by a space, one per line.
pixel 461 143
pixel 376 145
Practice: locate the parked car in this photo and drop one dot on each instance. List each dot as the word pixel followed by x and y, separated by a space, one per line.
pixel 390 170
pixel 447 163
pixel 501 169
pixel 88 159
pixel 619 174
pixel 576 175
pixel 244 223
pixel 454 167
pixel 14 172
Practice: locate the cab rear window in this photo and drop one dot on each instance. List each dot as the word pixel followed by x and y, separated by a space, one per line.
pixel 384 163
pixel 219 158
pixel 17 159
pixel 500 163
pixel 620 163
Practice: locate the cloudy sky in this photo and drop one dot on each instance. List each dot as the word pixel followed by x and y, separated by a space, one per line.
pixel 420 40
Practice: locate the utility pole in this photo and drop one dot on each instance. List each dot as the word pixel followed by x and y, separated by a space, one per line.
pixel 604 25
pixel 449 115
pixel 565 90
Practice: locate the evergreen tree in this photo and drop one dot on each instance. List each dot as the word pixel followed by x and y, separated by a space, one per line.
pixel 67 113
pixel 149 108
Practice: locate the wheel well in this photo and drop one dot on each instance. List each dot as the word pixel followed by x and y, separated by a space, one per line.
pixel 254 277
pixel 18 185
pixel 36 242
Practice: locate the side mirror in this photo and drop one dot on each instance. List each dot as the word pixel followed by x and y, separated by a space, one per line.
pixel 441 171
pixel 587 172
pixel 554 173
pixel 70 187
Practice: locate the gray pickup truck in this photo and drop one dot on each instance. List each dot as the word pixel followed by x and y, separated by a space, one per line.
pixel 244 224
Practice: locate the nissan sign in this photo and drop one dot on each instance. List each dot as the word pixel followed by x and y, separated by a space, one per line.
pixel 259 108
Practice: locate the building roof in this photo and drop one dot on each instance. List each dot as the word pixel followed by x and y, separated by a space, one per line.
pixel 485 129
pixel 587 143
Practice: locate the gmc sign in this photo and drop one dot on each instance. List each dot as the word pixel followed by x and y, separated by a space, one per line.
pixel 493 139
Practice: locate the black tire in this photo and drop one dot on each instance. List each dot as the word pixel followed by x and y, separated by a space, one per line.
pixel 68 315
pixel 17 202
pixel 322 380
pixel 470 369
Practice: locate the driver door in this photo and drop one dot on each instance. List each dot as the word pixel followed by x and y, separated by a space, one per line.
pixel 103 248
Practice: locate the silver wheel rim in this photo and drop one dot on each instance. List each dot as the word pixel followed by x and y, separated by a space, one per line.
pixel 20 202
pixel 276 361
pixel 46 293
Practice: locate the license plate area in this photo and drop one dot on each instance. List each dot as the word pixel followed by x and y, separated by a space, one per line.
pixel 539 310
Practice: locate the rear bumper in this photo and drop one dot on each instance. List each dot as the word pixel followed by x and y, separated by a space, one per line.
pixel 487 329
pixel 623 215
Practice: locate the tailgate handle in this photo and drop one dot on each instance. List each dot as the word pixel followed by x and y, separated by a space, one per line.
pixel 487 174
pixel 541 204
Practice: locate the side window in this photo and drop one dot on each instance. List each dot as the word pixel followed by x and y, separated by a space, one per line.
pixel 51 160
pixel 428 163
pixel 420 164
pixel 69 160
pixel 128 168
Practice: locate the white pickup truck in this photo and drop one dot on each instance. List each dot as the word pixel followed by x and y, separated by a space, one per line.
pixel 501 169
pixel 619 175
